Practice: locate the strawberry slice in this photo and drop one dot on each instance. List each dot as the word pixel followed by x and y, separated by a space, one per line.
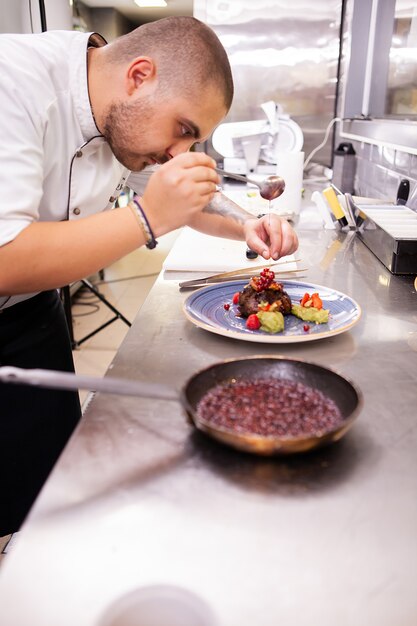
pixel 253 323
pixel 317 301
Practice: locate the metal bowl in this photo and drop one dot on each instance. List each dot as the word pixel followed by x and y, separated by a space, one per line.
pixel 344 393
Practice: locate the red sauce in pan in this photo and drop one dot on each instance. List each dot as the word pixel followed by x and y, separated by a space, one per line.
pixel 269 406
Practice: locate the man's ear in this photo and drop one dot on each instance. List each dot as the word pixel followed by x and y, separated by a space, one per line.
pixel 141 70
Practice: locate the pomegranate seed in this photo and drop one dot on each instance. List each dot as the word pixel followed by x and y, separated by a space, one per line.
pixel 226 306
pixel 269 407
pixel 306 328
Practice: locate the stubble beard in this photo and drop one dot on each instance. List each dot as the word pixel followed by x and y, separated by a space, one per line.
pixel 121 124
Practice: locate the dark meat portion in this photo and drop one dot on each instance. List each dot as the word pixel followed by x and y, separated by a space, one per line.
pixel 249 299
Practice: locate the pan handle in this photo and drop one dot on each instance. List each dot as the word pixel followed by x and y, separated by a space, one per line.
pixel 52 379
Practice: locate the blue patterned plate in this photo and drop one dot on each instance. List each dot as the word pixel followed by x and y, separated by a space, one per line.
pixel 205 308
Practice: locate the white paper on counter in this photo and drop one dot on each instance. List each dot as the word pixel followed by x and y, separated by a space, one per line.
pixel 196 252
pixel 248 197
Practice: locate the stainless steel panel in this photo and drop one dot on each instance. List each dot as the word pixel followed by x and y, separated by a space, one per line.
pixel 139 499
pixel 378 73
pixel 281 51
pixel 23 16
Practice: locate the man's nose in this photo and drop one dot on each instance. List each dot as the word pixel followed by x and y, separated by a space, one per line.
pixel 184 145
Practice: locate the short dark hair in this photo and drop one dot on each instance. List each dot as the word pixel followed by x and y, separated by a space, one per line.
pixel 188 54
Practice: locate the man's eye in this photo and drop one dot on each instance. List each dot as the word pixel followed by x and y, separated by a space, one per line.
pixel 186 132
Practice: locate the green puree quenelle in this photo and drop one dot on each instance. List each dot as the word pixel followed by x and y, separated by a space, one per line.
pixel 263 302
pixel 310 314
pixel 271 321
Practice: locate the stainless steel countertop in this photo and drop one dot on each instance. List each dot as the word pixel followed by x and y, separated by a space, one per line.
pixel 139 498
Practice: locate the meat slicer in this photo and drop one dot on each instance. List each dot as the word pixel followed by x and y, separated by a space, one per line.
pixel 251 147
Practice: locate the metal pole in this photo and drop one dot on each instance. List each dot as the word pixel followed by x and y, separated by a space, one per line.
pixel 42 15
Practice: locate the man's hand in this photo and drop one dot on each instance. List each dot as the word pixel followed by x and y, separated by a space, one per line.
pixel 179 190
pixel 270 236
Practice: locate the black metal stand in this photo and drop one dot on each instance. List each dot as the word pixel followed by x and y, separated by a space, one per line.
pixel 68 313
pixel 66 301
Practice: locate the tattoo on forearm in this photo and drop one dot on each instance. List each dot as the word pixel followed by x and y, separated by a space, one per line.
pixel 221 205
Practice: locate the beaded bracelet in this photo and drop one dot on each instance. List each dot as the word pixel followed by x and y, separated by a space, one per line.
pixel 139 220
pixel 146 227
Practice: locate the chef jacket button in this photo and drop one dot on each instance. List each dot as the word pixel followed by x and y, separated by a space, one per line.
pixel 78 154
pixel 76 211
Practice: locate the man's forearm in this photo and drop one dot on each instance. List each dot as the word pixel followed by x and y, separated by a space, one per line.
pixel 223 218
pixel 46 255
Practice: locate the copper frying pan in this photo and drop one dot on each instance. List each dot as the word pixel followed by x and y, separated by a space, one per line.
pixel 343 392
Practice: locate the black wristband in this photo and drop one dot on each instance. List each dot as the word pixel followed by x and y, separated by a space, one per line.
pixel 151 243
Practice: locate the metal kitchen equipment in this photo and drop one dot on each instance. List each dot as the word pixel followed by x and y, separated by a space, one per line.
pixel 344 167
pixel 346 396
pixel 390 232
pixel 252 146
pixel 244 273
pixel 270 188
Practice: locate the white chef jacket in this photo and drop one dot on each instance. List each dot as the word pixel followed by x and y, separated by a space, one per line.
pixel 54 163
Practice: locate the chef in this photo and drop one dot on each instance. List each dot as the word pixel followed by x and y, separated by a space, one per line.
pixel 80 120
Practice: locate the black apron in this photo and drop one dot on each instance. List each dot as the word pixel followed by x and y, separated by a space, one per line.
pixel 35 424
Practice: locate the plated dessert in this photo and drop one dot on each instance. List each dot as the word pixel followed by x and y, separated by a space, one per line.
pixel 264 302
pixel 217 308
